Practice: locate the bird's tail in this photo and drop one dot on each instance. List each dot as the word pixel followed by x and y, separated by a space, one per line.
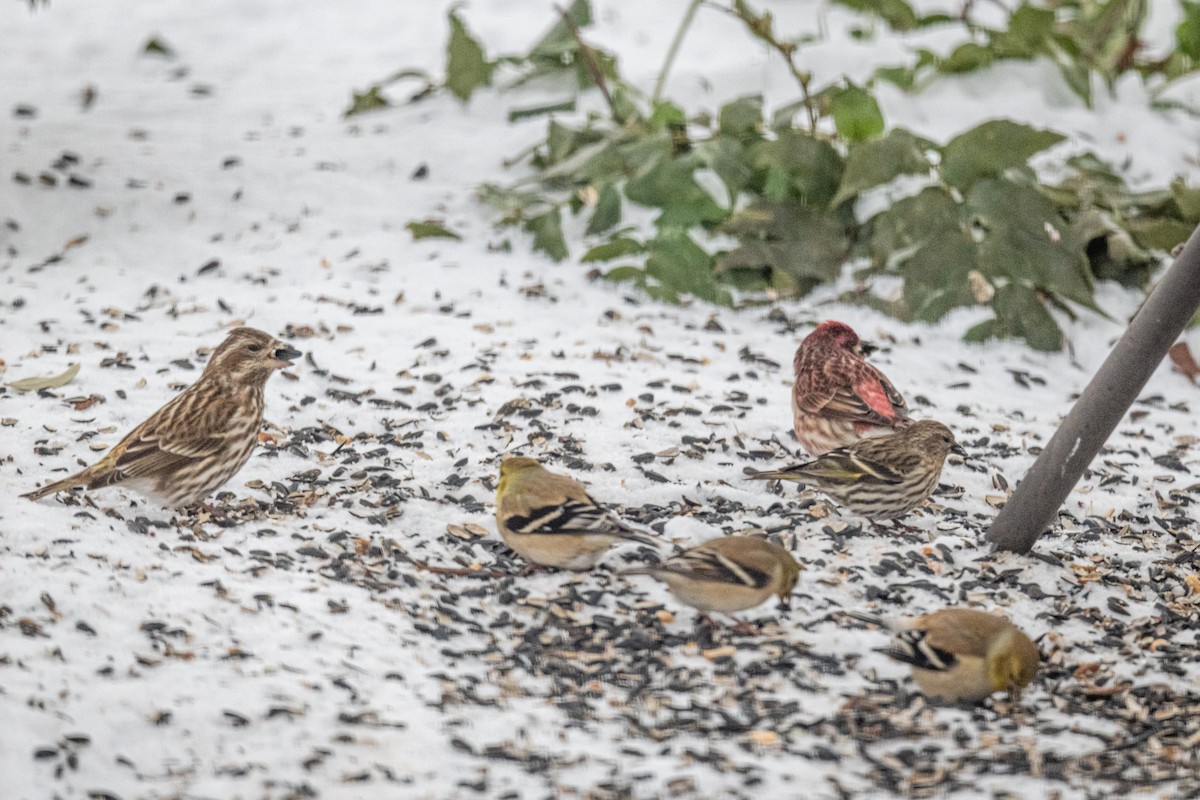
pixel 639 535
pixel 651 571
pixel 889 624
pixel 792 473
pixel 78 479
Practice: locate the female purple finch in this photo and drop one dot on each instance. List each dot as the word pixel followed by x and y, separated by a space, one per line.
pixel 884 477
pixel 202 437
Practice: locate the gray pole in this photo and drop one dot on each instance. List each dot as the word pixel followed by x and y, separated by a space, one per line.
pixel 1037 498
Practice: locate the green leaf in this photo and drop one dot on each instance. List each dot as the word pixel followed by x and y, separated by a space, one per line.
pixel 882 161
pixel 741 118
pixel 1187 199
pixel 967 57
pixel 1026 240
pixel 548 235
pixel 911 222
pixel 727 157
pixel 370 100
pixel 466 66
pixel 902 77
pixel 618 247
pixel 155 46
pixel 801 165
pixel 800 241
pixel 1159 233
pixel 626 274
pixel 896 13
pixel 48 382
pixel 678 264
pixel 856 114
pixel 559 37
pixel 987 150
pixel 1020 314
pixel 666 115
pixel 1029 30
pixel 1187 33
pixel 431 229
pixel 607 213
pixel 671 186
pixel 937 277
pixel 517 114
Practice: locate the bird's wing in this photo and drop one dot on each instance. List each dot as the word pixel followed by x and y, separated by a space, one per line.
pixel 709 565
pixel 915 647
pixel 848 465
pixel 173 437
pixel 961 631
pixel 570 516
pixel 851 389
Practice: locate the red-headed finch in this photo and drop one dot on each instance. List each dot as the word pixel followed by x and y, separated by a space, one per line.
pixel 202 437
pixel 551 520
pixel 884 477
pixel 727 574
pixel 962 655
pixel 838 398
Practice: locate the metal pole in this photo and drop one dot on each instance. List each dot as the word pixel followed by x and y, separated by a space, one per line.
pixel 1037 498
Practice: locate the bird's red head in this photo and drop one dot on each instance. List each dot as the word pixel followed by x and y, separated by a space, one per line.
pixel 838 334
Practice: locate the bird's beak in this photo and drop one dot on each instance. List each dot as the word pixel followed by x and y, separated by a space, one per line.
pixel 958 450
pixel 866 348
pixel 285 354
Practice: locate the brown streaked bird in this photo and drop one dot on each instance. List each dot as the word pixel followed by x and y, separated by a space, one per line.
pixel 550 519
pixel 202 437
pixel 727 574
pixel 962 655
pixel 838 397
pixel 884 477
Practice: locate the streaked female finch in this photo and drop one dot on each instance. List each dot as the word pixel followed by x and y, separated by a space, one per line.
pixel 839 398
pixel 884 477
pixel 727 574
pixel 550 519
pixel 963 655
pixel 202 437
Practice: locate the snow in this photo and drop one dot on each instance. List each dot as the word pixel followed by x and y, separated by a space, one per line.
pixel 302 653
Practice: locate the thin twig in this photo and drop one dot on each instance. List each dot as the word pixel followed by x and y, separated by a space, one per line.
pixel 784 50
pixel 589 60
pixel 685 23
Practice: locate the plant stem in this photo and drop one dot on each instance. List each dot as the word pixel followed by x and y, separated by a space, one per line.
pixel 761 29
pixel 685 23
pixel 589 60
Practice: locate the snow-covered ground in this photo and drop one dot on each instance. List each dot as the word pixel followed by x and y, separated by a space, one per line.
pixel 298 650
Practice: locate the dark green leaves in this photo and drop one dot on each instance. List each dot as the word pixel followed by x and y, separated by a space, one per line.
pixel 987 150
pixel 805 243
pixel 1020 314
pixel 670 185
pixel 548 234
pixel 431 229
pixel 983 232
pixel 856 114
pixel 466 66
pixel 677 264
pixel 1187 33
pixel 875 163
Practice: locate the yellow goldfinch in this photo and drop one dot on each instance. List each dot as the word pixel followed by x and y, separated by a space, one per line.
pixel 963 655
pixel 550 520
pixel 727 574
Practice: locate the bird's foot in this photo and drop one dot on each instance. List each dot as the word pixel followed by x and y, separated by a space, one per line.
pixel 744 626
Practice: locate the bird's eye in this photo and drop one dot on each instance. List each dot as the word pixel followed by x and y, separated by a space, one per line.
pixel 254 348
